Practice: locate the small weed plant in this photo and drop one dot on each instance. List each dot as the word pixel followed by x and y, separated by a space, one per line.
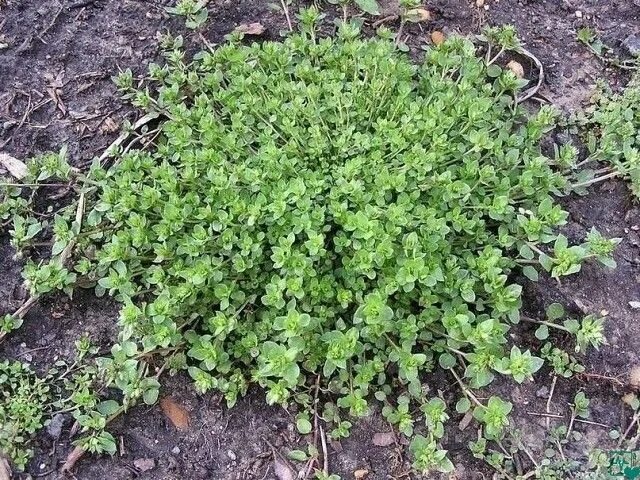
pixel 29 400
pixel 22 399
pixel 611 127
pixel 316 215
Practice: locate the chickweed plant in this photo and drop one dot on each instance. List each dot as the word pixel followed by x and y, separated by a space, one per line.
pixel 318 216
pixel 195 12
pixel 29 400
pixel 22 399
pixel 611 125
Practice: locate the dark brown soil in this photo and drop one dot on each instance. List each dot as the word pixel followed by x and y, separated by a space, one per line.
pixel 80 44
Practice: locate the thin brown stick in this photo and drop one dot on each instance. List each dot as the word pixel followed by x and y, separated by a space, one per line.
pixel 75 455
pixel 548 408
pixel 634 420
pixel 50 25
pixel 277 454
pixel 325 453
pixel 543 414
pixel 571 422
pixel 598 376
pixel 465 390
pixel 285 9
pixel 589 422
pixel 533 90
pixel 388 18
pixel 314 459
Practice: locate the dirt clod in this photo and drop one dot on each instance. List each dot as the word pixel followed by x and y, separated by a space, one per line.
pixel 419 15
pixel 15 167
pixel 360 474
pixel 384 439
pixel 5 471
pixel 282 471
pixel 144 464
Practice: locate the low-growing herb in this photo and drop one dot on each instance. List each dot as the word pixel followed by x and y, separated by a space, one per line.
pixel 321 213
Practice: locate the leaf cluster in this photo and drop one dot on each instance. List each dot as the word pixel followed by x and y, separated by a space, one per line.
pixel 612 125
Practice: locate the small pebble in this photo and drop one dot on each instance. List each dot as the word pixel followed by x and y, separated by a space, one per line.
pixel 578 13
pixel 175 450
pixel 54 429
pixel 231 455
pixel 543 392
pixel 632 44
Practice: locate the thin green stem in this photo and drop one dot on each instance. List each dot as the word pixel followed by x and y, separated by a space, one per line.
pixel 466 390
pixel 544 322
pixel 595 180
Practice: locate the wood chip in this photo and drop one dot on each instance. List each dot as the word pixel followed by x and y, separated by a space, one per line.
pixel 254 28
pixel 437 37
pixel 466 420
pixel 360 474
pixel 384 439
pixel 15 167
pixel 175 412
pixel 72 459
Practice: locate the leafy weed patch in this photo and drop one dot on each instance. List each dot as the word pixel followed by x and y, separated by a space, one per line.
pixel 319 216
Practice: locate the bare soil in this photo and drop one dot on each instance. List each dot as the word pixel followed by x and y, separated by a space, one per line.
pixel 55 89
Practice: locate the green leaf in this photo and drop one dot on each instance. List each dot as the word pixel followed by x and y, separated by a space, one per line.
pixel 526 252
pixel 572 325
pixel 463 405
pixel 447 361
pixel 494 71
pixel 150 396
pixel 555 311
pixel 297 455
pixel 531 273
pixel 369 6
pixel 542 332
pixel 108 407
pixel 304 426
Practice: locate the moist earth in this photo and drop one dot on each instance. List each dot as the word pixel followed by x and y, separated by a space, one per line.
pixel 55 89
